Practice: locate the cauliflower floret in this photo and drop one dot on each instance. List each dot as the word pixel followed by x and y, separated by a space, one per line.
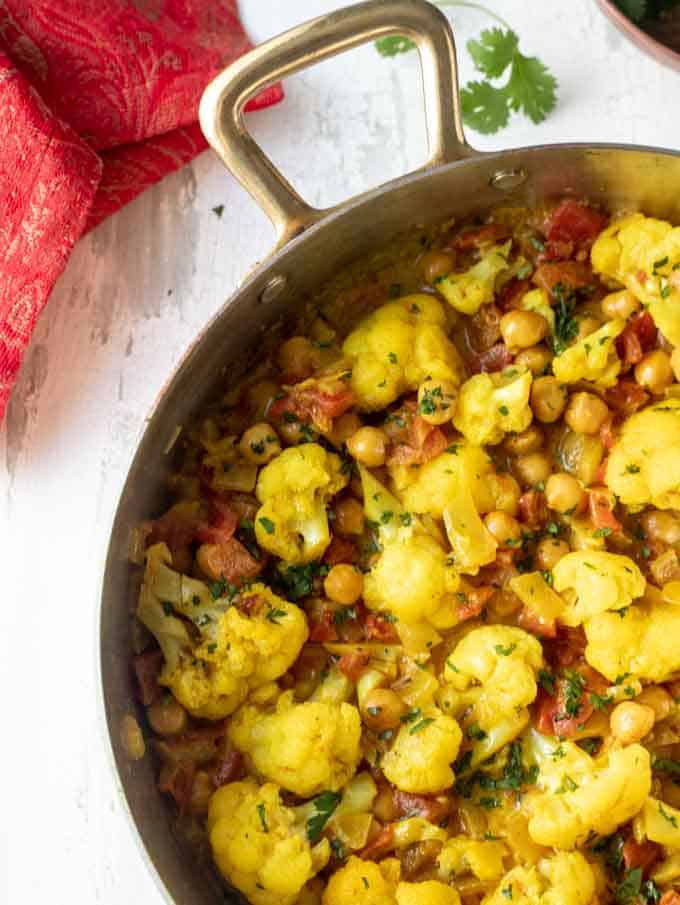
pixel 436 484
pixel 258 846
pixel 491 405
pixel 642 642
pixel 363 883
pixel 659 822
pixel 565 878
pixel 304 748
pixel 491 678
pixel 580 795
pixel 293 489
pixel 420 758
pixel 428 892
pixel 397 347
pixel 463 855
pixel 592 581
pixel 592 358
pixel 641 253
pixel 236 649
pixel 475 287
pixel 644 464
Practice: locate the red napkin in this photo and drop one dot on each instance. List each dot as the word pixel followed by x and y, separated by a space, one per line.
pixel 98 101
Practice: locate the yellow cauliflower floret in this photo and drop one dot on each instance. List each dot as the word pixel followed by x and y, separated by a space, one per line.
pixel 427 892
pixel 235 650
pixel 659 822
pixel 491 405
pixel 580 796
pixel 644 464
pixel 304 748
pixel 257 845
pixel 293 489
pixel 463 855
pixel 563 879
pixel 397 347
pixel 537 300
pixel 431 487
pixel 420 758
pixel 641 642
pixel 592 358
pixel 475 287
pixel 491 679
pixel 640 253
pixel 592 581
pixel 363 883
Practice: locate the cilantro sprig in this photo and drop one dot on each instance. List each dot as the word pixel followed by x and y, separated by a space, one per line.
pixel 529 87
pixel 324 805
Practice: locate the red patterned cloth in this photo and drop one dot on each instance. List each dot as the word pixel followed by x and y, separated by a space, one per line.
pixel 98 101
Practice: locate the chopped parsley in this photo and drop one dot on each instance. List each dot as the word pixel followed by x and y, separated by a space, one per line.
pixel 275 615
pixel 632 469
pixel 600 702
pixel 669 817
pixel 262 814
pixel 629 889
pixel 405 518
pixel 503 409
pixel 506 891
pixel 167 607
pixel 411 715
pixel 267 524
pixel 324 805
pixel 505 651
pixel 475 731
pixel 421 724
pixel 602 532
pixel 573 690
pixel 392 357
pixel 218 210
pixel 489 802
pixel 298 581
pixel 566 325
pixel 567 785
pixel 547 681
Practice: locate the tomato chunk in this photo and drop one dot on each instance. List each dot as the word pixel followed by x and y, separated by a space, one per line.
pixel 600 506
pixel 379 629
pixel 353 664
pixel 315 403
pixel 147 668
pixel 570 274
pixel 414 440
pixel 638 337
pixel 430 808
pixel 640 854
pixel 626 397
pixel 481 235
pixel 494 359
pixel 573 221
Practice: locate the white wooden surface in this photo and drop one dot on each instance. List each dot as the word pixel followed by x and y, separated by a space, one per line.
pixel 133 295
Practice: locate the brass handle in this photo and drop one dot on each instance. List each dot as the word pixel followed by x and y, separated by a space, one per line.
pixel 221 108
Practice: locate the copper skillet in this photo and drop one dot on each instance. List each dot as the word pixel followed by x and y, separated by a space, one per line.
pixel 312 245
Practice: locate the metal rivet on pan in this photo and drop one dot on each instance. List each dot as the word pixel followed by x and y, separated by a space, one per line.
pixel 507 180
pixel 273 289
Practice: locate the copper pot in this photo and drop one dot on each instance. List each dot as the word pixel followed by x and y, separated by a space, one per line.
pixel 313 245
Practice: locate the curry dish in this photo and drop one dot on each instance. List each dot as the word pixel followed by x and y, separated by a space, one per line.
pixel 409 633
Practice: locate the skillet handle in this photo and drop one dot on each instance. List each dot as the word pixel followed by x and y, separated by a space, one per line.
pixel 221 107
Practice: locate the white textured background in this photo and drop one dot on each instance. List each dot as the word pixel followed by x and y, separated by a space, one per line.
pixel 134 294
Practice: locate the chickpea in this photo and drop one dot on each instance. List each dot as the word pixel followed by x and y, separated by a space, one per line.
pixel 382 709
pixel 522 329
pixel 586 413
pixel 344 584
pixel 504 528
pixel 436 400
pixel 507 492
pixel 654 372
pixel 293 431
pixel 658 699
pixel 298 358
pixel 532 469
pixel 549 552
pixel 675 363
pixel 586 326
pixel 621 304
pixel 548 398
pixel 344 427
pixel 260 444
pixel 528 441
pixel 167 716
pixel 368 446
pixel 201 790
pixel 260 397
pixel 536 359
pixel 630 722
pixel 437 264
pixel 563 492
pixel 661 525
pixel 349 517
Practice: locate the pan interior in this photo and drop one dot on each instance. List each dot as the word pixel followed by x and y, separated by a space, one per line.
pixel 267 305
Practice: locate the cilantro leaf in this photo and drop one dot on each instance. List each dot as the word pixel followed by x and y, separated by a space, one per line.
pixel 634 9
pixel 531 88
pixel 392 45
pixel 484 107
pixel 628 891
pixel 324 805
pixel 494 52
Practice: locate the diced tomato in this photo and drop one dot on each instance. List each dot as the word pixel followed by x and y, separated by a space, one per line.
pixel 573 221
pixel 538 625
pixel 323 628
pixel 601 472
pixel 494 359
pixel 176 528
pixel 558 250
pixel 353 664
pixel 222 525
pixel 533 508
pixel 638 337
pixel 511 293
pixel 568 647
pixel 380 845
pixel 418 441
pixel 199 745
pixel 229 768
pixel 474 603
pixel 608 433
pixel 571 274
pixel 379 629
pixel 484 328
pixel 552 717
pixel 315 403
pixel 232 561
pixel 481 235
pixel 147 668
pixel 600 506
pixel 176 779
pixel 339 550
pixel 626 397
pixel 428 807
pixel 640 854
